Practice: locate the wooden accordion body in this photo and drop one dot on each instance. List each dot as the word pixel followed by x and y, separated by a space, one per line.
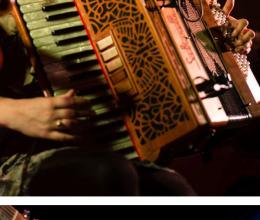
pixel 143 55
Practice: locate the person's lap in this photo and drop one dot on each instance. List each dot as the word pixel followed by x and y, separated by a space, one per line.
pixel 70 171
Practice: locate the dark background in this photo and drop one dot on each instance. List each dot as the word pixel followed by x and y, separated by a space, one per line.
pixel 248 9
pixel 136 212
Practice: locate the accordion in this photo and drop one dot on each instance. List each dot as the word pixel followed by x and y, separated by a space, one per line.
pixel 168 63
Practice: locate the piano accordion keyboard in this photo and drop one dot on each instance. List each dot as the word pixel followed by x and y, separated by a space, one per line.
pixel 68 59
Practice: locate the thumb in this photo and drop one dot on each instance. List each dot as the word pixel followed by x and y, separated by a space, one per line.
pixel 228 7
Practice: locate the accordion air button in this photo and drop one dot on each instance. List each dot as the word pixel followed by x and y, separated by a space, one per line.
pixel 118 76
pixel 114 65
pixel 123 86
pixel 105 43
pixel 109 54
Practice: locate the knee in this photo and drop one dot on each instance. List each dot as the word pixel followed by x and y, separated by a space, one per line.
pixel 158 181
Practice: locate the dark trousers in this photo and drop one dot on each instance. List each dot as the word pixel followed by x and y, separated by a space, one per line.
pixel 105 174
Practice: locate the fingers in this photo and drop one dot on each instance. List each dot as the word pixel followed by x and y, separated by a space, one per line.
pixel 72 113
pixel 60 136
pixel 66 130
pixel 245 49
pixel 247 35
pixel 241 36
pixel 243 41
pixel 241 33
pixel 70 93
pixel 56 132
pixel 69 100
pixel 64 124
pixel 63 117
pixel 239 26
pixel 228 7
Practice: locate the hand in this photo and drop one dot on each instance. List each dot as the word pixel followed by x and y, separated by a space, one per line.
pixel 242 36
pixel 54 118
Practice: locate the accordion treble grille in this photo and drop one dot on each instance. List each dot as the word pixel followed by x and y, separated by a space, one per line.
pixel 67 57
